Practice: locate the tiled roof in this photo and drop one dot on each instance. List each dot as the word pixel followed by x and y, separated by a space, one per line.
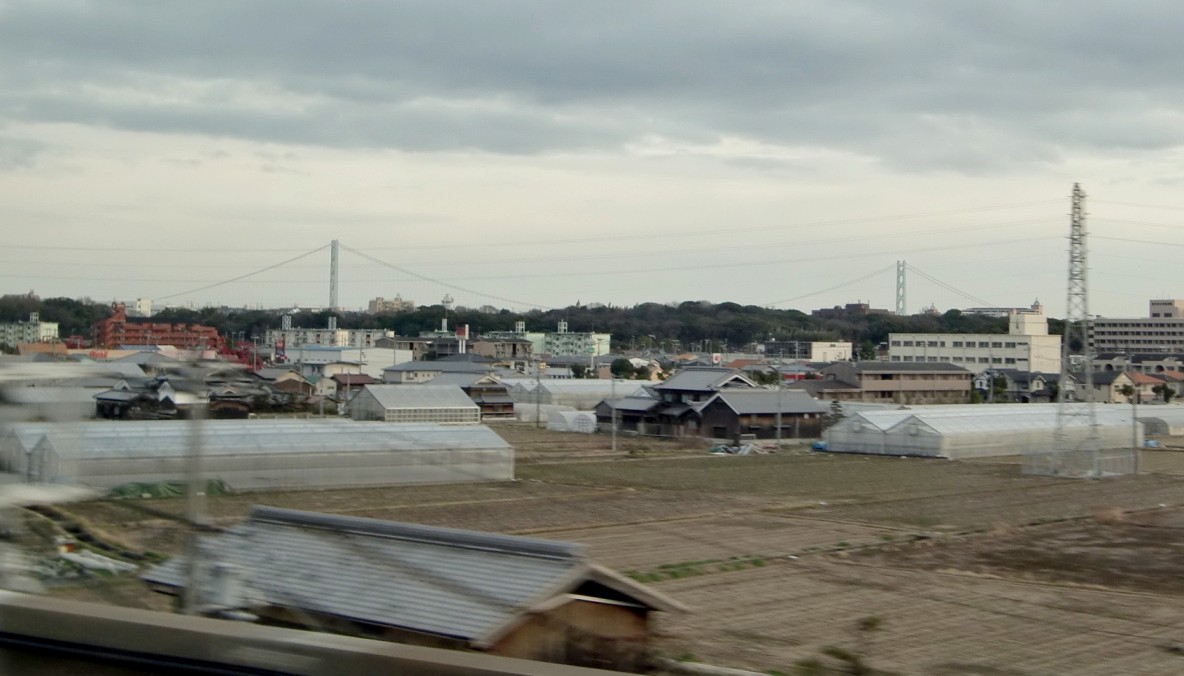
pixel 745 402
pixel 441 581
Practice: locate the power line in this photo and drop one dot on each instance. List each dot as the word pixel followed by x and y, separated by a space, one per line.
pixel 1136 204
pixel 240 277
pixel 950 288
pixel 836 286
pixel 443 283
pixel 717 231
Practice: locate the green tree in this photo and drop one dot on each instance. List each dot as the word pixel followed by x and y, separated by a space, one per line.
pixel 621 368
pixel 579 371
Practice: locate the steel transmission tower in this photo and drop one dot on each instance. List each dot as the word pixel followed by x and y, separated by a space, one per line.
pixel 900 268
pixel 1077 447
pixel 333 277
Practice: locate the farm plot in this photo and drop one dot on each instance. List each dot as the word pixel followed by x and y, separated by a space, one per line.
pixel 658 549
pixel 1140 552
pixel 1019 503
pixel 802 476
pixel 773 617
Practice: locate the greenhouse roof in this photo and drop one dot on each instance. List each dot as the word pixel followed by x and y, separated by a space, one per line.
pixel 155 438
pixel 420 396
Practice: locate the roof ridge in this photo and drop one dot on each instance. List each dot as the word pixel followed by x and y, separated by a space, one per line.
pixel 450 537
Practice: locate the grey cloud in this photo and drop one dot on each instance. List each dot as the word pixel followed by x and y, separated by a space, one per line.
pixel 18 153
pixel 867 77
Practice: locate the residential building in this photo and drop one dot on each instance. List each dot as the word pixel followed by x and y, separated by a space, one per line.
pixel 117 330
pixel 849 311
pixel 293 338
pixel 32 331
pixel 1004 312
pixel 425 585
pixel 891 382
pixel 565 343
pixel 396 304
pixel 1162 331
pixel 1027 346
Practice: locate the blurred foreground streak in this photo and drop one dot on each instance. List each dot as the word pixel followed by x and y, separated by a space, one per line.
pixel 42 636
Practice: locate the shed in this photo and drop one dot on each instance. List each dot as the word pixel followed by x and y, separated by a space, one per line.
pixel 410 583
pixel 446 404
pixel 256 454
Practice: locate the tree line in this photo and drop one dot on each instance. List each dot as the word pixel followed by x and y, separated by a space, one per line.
pixel 691 325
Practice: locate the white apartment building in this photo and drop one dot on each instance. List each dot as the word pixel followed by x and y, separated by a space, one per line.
pixel 564 343
pixel 32 331
pixel 1026 346
pixel 1162 331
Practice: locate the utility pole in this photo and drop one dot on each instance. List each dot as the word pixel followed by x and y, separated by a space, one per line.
pixel 194 500
pixel 538 393
pixel 777 370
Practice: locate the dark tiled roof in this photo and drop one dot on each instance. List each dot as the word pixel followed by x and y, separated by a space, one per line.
pixel 441 581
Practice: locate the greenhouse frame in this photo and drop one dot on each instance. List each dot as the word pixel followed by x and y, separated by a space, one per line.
pixel 976 431
pixel 256 454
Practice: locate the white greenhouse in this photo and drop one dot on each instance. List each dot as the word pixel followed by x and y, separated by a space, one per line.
pixel 256 454
pixel 976 431
pixel 415 404
pixel 572 421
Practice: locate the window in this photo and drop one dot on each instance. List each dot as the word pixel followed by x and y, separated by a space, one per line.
pixel 984 344
pixel 997 345
pixel 984 360
pixel 932 343
pixel 1009 360
pixel 896 343
pixel 957 343
pixel 908 343
pixel 1009 345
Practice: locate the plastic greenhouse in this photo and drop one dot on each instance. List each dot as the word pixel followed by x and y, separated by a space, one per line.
pixel 572 421
pixel 255 454
pixel 975 431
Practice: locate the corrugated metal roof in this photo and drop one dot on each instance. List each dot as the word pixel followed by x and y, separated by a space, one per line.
pixel 442 581
pixel 130 438
pixel 420 396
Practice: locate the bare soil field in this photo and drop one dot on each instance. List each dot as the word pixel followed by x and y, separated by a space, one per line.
pixel 968 568
pixel 773 618
pixel 1141 551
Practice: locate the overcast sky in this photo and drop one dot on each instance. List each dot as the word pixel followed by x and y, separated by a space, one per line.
pixel 536 154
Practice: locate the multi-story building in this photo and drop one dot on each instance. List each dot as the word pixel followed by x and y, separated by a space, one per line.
pixel 807 350
pixel 287 337
pixel 1003 312
pixel 32 331
pixel 117 330
pixel 1026 346
pixel 569 343
pixel 396 304
pixel 891 382
pixel 1162 331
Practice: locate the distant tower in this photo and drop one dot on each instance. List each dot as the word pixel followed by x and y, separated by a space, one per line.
pixel 333 272
pixel 900 268
pixel 447 303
